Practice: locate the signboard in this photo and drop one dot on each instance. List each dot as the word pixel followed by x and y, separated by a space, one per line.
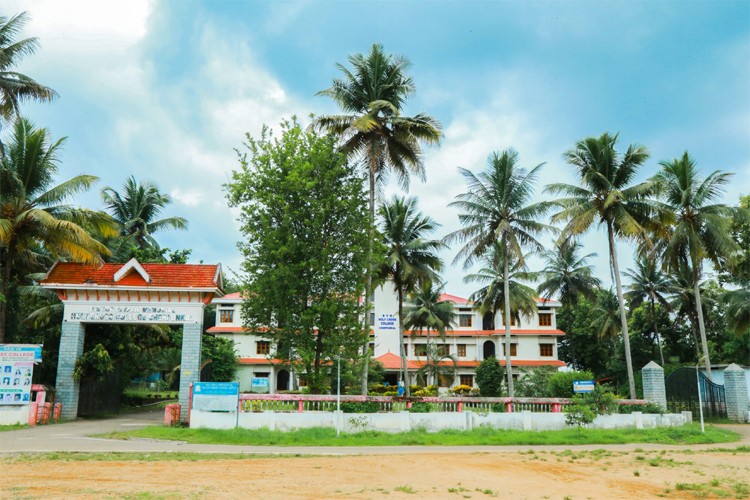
pixel 259 381
pixel 16 371
pixel 132 313
pixel 216 396
pixel 580 386
pixel 388 322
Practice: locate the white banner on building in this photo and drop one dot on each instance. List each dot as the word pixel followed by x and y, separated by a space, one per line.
pixel 133 313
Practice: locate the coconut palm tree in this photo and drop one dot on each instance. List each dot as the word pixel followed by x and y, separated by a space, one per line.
pixel 700 229
pixel 15 87
pixel 682 300
pixel 607 312
pixel 371 95
pixel 35 222
pixel 410 257
pixel 428 312
pixel 605 196
pixel 647 281
pixel 136 209
pixel 491 297
pixel 496 209
pixel 738 310
pixel 569 276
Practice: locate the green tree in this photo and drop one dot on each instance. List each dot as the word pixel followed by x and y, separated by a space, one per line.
pixel 426 311
pixel 496 209
pixel 491 297
pixel 16 87
pixel 489 378
pixel 372 94
pixel 700 228
pixel 437 364
pixel 36 223
pixel 568 276
pixel 302 209
pixel 410 256
pixel 137 208
pixel 604 196
pixel 647 281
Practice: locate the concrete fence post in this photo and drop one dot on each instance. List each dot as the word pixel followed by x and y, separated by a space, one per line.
pixel 735 390
pixel 71 348
pixel 654 389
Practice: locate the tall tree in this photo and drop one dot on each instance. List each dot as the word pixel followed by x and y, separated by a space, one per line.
pixel 496 209
pixel 606 197
pixel 700 230
pixel 136 208
pixel 36 223
pixel 410 256
pixel 426 311
pixel 302 205
pixel 372 94
pixel 491 297
pixel 16 87
pixel 647 281
pixel 569 276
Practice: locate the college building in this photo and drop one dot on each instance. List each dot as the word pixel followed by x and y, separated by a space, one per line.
pixel 473 338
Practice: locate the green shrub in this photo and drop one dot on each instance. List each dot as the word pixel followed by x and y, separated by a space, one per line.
pixel 489 377
pixel 647 408
pixel 462 390
pixel 585 407
pixel 534 383
pixel 420 407
pixel 560 384
pixel 498 408
pixel 579 414
pixel 360 407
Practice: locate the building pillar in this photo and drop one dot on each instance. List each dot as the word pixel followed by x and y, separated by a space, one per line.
pixel 735 391
pixel 71 348
pixel 653 384
pixel 190 366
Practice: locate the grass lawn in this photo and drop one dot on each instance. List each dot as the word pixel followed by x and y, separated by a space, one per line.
pixel 13 427
pixel 689 434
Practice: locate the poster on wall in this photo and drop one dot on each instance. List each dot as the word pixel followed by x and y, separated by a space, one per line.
pixel 16 372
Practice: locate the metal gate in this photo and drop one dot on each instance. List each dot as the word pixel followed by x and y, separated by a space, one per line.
pixel 682 394
pixel 100 397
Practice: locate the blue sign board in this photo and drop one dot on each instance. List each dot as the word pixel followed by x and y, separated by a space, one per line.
pixel 580 386
pixel 259 381
pixel 216 388
pixel 35 348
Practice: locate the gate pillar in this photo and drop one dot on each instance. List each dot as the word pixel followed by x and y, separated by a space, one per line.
pixel 653 384
pixel 190 366
pixel 71 348
pixel 735 391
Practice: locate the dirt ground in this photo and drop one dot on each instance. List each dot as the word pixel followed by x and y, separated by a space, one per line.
pixel 532 474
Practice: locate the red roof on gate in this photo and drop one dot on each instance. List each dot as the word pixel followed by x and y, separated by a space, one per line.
pixel 162 276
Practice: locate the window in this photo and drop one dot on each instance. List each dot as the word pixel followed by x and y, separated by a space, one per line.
pixel 467 380
pixel 545 350
pixel 226 315
pixel 263 347
pixel 260 374
pixel 461 350
pixel 464 320
pixel 372 319
pixel 303 380
pixel 445 380
pixel 420 350
pixel 545 319
pixel 513 349
pixel 443 350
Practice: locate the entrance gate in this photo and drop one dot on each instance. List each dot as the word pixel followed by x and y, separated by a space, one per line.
pixel 131 293
pixel 682 394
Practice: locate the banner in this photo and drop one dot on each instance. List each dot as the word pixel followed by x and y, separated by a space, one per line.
pixel 16 371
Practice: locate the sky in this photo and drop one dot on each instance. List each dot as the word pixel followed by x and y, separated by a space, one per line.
pixel 165 91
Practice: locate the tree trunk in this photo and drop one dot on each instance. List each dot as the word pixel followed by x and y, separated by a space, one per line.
pixel 570 336
pixel 404 373
pixel 4 289
pixel 427 374
pixel 506 291
pixel 621 300
pixel 699 312
pixel 656 331
pixel 368 282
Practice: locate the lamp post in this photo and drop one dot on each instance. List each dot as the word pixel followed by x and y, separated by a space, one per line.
pixel 338 396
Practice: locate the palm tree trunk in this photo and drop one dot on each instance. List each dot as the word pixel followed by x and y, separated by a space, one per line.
pixel 368 281
pixel 404 373
pixel 623 319
pixel 656 331
pixel 570 336
pixel 4 289
pixel 699 312
pixel 506 291
pixel 427 382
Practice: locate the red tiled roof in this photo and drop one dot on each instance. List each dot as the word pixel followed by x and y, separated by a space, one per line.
pixel 453 298
pixel 235 296
pixel 487 333
pixel 392 362
pixel 259 361
pixel 226 329
pixel 162 275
